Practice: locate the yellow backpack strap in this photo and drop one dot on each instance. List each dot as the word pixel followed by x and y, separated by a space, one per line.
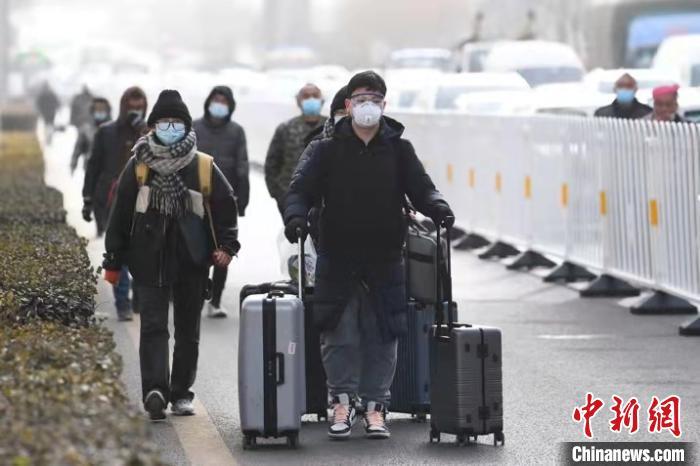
pixel 205 167
pixel 141 173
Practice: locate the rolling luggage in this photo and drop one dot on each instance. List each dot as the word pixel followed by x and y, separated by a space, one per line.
pixel 271 366
pixel 316 390
pixel 410 390
pixel 466 393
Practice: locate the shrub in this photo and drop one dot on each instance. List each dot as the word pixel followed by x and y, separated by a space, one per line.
pixel 61 400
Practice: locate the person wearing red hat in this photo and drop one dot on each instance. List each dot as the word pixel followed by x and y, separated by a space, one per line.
pixel 666 104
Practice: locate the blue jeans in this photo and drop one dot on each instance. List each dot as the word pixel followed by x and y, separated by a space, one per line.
pixel 121 291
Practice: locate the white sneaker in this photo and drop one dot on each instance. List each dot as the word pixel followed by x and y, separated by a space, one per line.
pixel 375 421
pixel 182 407
pixel 342 419
pixel 216 312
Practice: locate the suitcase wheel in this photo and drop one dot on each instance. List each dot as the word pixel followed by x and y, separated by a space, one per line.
pixel 434 434
pixel 249 441
pixel 322 415
pixel 463 439
pixel 499 437
pixel 420 417
pixel 293 440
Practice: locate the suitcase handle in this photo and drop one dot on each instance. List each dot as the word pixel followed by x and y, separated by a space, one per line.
pixel 280 368
pixel 302 263
pixel 445 300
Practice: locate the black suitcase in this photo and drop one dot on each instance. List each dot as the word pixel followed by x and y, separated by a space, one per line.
pixel 466 393
pixel 410 389
pixel 316 391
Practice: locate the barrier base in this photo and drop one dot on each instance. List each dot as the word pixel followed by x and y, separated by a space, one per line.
pixel 692 328
pixel 471 241
pixel 499 250
pixel 529 260
pixel 568 273
pixel 664 304
pixel 457 233
pixel 607 286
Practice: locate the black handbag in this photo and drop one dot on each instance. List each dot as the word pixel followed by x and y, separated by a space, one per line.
pixel 198 240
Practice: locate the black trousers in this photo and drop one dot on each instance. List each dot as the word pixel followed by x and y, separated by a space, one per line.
pixel 154 303
pixel 218 283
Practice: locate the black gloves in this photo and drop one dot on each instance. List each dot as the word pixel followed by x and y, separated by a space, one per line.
pixel 294 227
pixel 442 215
pixel 87 211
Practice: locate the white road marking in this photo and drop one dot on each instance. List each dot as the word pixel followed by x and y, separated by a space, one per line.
pixel 575 337
pixel 198 435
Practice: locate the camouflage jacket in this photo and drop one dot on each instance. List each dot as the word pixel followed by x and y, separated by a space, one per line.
pixel 287 145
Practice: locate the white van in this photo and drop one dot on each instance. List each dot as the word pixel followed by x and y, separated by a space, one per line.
pixel 539 62
pixel 680 55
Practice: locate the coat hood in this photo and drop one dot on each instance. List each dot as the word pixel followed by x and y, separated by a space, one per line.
pixel 226 92
pixel 133 92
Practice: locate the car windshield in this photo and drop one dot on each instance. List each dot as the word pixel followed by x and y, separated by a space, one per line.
pixel 448 96
pixel 439 63
pixel 608 87
pixel 692 115
pixel 695 75
pixel 551 74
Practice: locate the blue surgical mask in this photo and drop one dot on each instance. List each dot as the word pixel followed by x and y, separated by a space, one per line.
pixel 625 96
pixel 311 106
pixel 170 136
pixel 218 110
pixel 100 116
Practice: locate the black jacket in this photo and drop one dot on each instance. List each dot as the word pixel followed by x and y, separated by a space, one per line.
pixel 111 150
pixel 634 111
pixel 151 244
pixel 362 189
pixel 225 140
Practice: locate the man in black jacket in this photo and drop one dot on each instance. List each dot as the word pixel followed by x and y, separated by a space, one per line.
pixel 224 140
pixel 111 149
pixel 159 227
pixel 361 176
pixel 625 104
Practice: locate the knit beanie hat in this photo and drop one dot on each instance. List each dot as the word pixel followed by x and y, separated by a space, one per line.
pixel 170 105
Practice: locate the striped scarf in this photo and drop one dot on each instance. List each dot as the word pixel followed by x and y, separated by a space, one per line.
pixel 169 194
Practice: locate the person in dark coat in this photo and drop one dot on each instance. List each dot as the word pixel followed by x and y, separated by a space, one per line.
pixel 361 175
pixel 224 140
pixel 156 229
pixel 625 104
pixel 111 150
pixel 47 103
pixel 289 142
pixel 80 108
pixel 100 113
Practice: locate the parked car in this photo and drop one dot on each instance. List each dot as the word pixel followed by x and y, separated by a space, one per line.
pixel 539 62
pixel 680 56
pixel 447 90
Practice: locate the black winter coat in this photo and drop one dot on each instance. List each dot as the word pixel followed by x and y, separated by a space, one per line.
pixel 632 112
pixel 362 189
pixel 151 244
pixel 225 140
pixel 111 150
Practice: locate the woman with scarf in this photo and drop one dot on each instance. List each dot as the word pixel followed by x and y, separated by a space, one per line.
pixel 158 224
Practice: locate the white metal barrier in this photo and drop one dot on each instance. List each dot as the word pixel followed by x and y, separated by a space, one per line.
pixel 617 196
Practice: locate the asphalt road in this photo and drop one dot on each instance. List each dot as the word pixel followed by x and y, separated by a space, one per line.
pixel 556 348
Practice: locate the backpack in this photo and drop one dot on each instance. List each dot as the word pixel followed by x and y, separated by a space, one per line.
pixel 205 169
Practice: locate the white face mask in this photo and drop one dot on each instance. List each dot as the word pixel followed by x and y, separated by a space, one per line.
pixel 367 114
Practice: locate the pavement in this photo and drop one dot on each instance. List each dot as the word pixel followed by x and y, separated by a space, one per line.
pixel 556 348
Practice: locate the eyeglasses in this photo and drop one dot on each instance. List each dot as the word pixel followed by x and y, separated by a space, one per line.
pixel 359 99
pixel 165 125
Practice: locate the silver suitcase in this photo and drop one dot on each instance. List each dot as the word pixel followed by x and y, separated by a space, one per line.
pixel 271 367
